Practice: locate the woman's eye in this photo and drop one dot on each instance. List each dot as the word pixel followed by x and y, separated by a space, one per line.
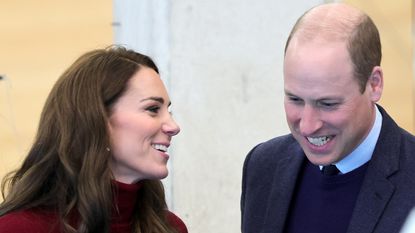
pixel 153 109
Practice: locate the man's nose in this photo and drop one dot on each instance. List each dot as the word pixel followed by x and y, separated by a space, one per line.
pixel 310 121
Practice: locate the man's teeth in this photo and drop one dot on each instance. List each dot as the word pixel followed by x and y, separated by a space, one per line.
pixel 319 141
pixel 160 147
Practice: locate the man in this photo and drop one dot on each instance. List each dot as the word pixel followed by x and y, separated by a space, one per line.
pixel 332 81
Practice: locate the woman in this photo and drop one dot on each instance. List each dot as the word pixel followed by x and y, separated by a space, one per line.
pixel 99 153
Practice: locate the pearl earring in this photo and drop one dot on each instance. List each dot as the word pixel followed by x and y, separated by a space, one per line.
pixel 108 149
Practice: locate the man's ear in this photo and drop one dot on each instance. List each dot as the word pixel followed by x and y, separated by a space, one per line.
pixel 375 84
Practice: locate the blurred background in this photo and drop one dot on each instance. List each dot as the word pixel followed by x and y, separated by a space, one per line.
pixel 221 61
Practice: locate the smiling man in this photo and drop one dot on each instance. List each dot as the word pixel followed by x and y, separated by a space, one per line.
pixel 346 166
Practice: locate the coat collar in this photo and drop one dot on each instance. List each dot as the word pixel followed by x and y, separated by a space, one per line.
pixel 376 189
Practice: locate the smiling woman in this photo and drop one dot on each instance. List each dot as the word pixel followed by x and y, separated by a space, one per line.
pixel 141 129
pixel 99 153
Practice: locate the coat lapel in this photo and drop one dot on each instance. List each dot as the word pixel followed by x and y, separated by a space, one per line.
pixel 376 189
pixel 282 191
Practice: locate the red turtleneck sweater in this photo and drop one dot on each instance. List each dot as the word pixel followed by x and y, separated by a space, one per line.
pixel 43 221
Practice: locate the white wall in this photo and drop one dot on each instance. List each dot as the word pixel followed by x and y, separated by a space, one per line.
pixel 222 62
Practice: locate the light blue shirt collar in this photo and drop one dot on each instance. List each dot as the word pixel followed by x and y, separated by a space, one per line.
pixel 364 151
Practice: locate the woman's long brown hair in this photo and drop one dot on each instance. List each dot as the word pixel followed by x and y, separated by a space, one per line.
pixel 67 168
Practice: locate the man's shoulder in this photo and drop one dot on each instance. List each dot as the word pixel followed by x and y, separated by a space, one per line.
pixel 406 151
pixel 393 134
pixel 274 150
pixel 283 143
pixel 389 126
pixel 408 137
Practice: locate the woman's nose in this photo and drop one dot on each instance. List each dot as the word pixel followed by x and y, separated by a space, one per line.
pixel 171 128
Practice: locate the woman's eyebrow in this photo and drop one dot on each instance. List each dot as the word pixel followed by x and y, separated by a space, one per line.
pixel 158 99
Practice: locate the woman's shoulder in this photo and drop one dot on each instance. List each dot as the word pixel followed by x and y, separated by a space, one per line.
pixel 176 222
pixel 34 221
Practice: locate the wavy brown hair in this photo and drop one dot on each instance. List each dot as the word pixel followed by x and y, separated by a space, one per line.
pixel 67 168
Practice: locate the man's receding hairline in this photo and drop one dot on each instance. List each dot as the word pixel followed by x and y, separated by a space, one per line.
pixel 334 21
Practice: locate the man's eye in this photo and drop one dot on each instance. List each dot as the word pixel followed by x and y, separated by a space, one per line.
pixel 328 104
pixel 295 100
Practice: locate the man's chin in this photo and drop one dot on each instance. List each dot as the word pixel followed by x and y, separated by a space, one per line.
pixel 320 159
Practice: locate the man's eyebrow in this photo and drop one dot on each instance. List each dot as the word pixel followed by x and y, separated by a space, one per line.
pixel 323 98
pixel 288 93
